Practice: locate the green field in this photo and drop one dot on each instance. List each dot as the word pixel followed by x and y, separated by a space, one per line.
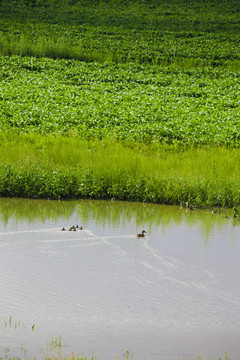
pixel 138 103
pixel 132 100
pixel 186 32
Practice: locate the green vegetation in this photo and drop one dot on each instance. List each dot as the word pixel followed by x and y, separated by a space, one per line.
pixel 124 102
pixel 58 167
pixel 149 113
pixel 176 31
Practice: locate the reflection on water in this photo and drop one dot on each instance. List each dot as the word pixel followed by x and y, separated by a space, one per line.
pixel 108 213
pixel 167 296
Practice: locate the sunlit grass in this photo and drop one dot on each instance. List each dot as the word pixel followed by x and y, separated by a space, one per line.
pixel 59 167
pixel 155 160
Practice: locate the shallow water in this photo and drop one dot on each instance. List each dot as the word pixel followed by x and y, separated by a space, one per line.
pixel 167 296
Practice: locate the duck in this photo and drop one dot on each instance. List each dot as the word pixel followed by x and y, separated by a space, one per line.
pixel 71 228
pixel 142 234
pixel 63 229
pixel 79 227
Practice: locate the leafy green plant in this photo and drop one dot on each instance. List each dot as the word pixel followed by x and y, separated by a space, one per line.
pixel 58 167
pixel 143 104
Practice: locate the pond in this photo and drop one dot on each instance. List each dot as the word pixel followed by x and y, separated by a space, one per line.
pixel 167 296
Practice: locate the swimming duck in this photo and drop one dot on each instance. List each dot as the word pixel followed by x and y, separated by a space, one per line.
pixel 142 234
pixel 81 228
pixel 63 229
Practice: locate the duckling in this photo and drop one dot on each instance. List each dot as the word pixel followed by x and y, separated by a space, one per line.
pixel 81 228
pixel 71 228
pixel 142 234
pixel 63 229
pixel 77 226
pixel 74 228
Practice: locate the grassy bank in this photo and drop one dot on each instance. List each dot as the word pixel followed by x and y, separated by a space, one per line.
pixel 57 167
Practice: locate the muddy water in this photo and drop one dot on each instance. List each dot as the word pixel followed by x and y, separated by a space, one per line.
pixel 167 296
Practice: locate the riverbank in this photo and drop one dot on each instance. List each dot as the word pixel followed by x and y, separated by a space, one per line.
pixel 58 167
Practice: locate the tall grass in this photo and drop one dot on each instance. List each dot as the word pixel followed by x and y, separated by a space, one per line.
pixel 62 48
pixel 59 48
pixel 57 167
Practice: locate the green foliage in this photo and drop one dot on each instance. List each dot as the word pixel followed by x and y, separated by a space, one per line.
pixel 57 167
pixel 196 33
pixel 124 102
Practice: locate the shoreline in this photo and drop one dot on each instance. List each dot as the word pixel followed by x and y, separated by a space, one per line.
pixel 57 167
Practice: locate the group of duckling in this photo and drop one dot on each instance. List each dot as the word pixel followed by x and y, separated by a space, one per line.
pixel 73 228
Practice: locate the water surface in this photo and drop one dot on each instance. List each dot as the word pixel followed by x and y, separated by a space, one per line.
pixel 167 296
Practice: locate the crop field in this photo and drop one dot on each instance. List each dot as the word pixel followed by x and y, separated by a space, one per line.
pixel 155 77
pixel 128 102
pixel 165 71
pixel 158 32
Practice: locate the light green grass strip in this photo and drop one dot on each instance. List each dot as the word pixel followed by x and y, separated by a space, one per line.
pixel 110 157
pixel 58 167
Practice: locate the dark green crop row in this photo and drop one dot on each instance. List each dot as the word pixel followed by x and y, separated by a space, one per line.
pixel 120 45
pixel 127 102
pixel 173 15
pixel 188 33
